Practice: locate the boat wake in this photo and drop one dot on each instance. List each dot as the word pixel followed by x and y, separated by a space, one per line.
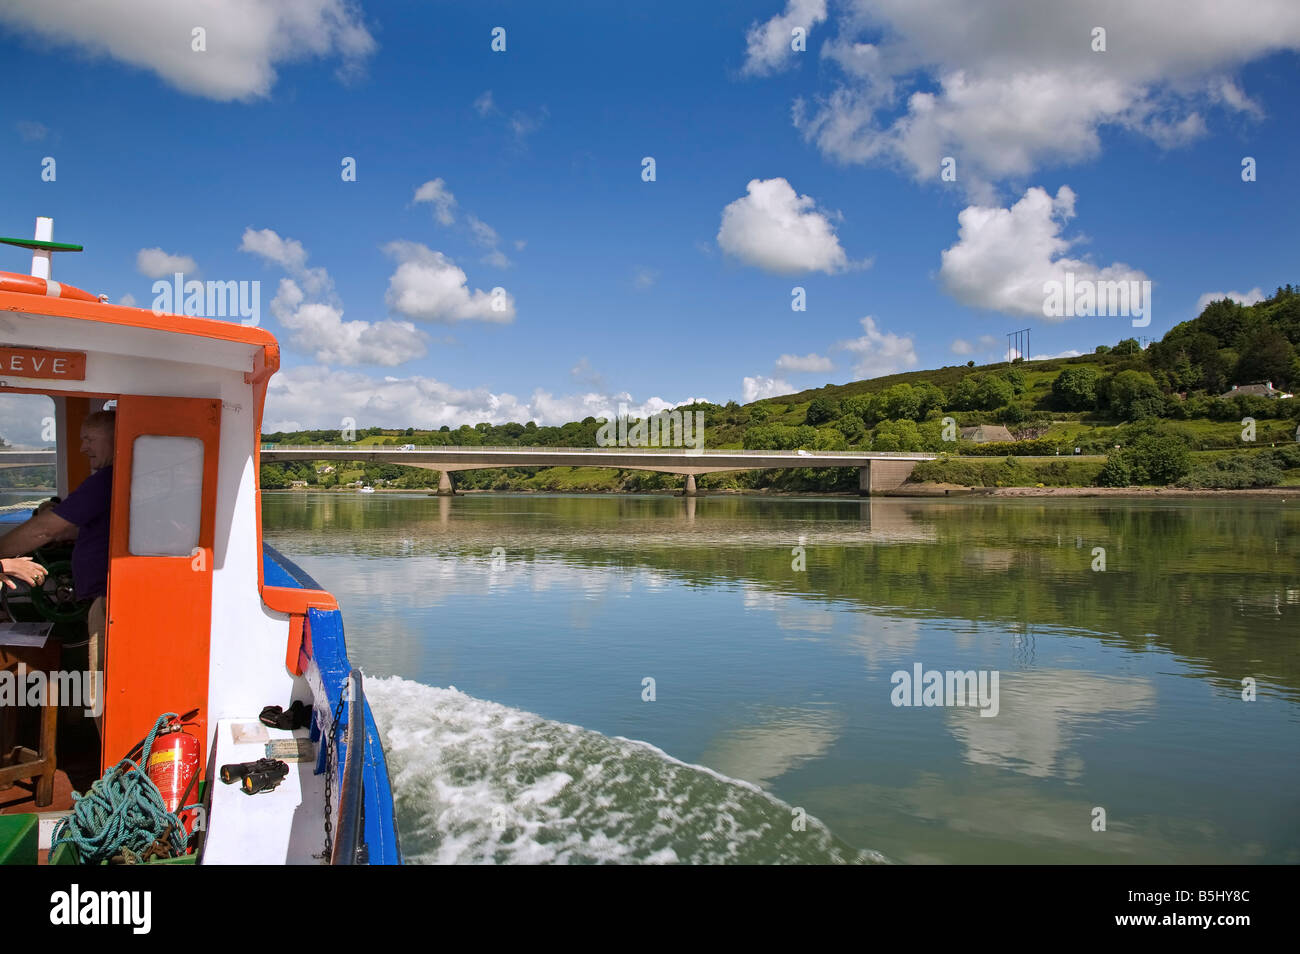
pixel 477 782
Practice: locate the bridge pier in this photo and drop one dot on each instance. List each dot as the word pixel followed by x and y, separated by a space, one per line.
pixel 445 488
pixel 690 490
pixel 883 475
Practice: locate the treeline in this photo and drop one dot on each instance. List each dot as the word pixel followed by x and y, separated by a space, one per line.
pixel 1181 378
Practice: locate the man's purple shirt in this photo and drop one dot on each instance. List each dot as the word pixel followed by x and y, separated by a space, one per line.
pixel 88 507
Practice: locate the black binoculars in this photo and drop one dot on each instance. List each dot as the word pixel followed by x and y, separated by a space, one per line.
pixel 260 776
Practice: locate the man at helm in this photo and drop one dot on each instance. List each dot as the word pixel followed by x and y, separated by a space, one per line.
pixel 83 516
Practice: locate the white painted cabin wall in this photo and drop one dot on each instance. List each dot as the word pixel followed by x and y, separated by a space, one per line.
pixel 248 640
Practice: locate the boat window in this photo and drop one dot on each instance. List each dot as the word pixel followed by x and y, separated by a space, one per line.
pixel 26 440
pixel 166 495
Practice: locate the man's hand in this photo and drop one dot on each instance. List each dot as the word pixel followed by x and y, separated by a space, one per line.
pixel 34 534
pixel 22 568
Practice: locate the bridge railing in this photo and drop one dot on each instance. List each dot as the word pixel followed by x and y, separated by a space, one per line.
pixel 536 449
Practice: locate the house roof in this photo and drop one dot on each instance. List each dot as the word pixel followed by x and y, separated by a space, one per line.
pixel 986 432
pixel 1253 390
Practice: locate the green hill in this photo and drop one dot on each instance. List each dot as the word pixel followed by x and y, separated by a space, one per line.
pixel 1164 408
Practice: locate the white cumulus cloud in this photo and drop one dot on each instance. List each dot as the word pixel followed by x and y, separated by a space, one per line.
pixel 1013 353
pixel 759 387
pixel 306 305
pixel 310 397
pixel 963 347
pixel 878 352
pixel 778 231
pixel 319 329
pixel 809 362
pixel 428 286
pixel 1007 86
pixel 1251 297
pixel 243 40
pixel 289 254
pixel 436 193
pixel 1003 257
pixel 769 45
pixel 155 263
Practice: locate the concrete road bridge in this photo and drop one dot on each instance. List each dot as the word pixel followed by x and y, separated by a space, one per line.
pixel 878 471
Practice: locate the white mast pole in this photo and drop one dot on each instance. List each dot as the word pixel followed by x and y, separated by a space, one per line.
pixel 41 256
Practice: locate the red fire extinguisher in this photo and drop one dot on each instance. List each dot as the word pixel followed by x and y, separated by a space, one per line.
pixel 174 766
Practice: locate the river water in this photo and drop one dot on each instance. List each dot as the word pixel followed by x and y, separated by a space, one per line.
pixel 647 678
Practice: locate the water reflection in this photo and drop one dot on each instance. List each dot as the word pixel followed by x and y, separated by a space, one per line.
pixel 773 742
pixel 771 627
pixel 1041 712
pixel 1209 582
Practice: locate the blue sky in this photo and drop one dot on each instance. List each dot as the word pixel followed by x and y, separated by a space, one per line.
pixel 773 169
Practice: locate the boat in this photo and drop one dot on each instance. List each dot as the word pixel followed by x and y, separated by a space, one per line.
pixel 366 490
pixel 207 625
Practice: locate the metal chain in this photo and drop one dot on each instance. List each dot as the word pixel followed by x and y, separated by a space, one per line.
pixel 331 756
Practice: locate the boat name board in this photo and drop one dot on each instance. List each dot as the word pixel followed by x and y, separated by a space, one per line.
pixel 40 363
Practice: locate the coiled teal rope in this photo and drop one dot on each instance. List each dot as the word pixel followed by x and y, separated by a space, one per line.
pixel 122 813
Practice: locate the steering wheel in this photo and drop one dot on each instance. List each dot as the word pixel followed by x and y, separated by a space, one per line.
pixel 56 598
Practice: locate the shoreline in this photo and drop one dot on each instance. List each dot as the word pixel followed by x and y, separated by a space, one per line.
pixel 925 491
pixel 956 490
pixel 1282 492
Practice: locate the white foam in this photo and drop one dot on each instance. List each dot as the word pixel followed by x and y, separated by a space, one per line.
pixel 479 782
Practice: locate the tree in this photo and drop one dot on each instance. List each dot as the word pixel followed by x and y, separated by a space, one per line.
pixel 1159 459
pixel 272 477
pixel 901 435
pixel 865 406
pixel 901 401
pixel 821 410
pixel 962 396
pixel 829 438
pixel 1115 472
pixel 1126 393
pixel 1154 456
pixel 852 427
pixel 1225 319
pixel 1265 356
pixel 932 399
pixel 1075 388
pixel 993 392
pixel 1128 346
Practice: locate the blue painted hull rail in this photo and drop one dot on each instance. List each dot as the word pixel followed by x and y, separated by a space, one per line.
pixel 329 674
